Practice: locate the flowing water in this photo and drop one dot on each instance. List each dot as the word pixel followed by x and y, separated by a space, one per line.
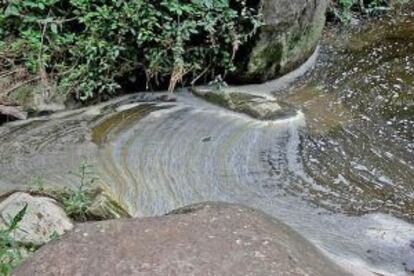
pixel 339 171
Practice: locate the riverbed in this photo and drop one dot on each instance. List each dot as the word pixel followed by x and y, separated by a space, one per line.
pixel 339 170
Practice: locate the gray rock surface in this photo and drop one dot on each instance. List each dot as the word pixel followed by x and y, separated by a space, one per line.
pixel 32 98
pixel 290 35
pixel 203 239
pixel 43 220
pixel 261 107
pixel 13 112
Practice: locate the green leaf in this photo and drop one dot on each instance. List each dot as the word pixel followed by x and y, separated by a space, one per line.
pixel 54 28
pixel 11 10
pixel 18 218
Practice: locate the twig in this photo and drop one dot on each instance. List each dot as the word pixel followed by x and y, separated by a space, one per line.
pixel 374 9
pixel 362 7
pixel 43 74
pixel 6 74
pixel 48 20
pixel 200 75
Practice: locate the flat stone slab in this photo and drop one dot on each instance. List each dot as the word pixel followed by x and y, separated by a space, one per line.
pixel 203 239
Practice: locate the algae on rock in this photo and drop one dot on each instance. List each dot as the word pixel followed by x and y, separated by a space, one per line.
pixel 256 106
pixel 291 33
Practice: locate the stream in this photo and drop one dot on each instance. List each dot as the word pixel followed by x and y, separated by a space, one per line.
pixel 340 170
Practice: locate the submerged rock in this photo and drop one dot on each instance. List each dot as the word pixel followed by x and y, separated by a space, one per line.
pixel 43 219
pixel 256 106
pixel 209 238
pixel 291 31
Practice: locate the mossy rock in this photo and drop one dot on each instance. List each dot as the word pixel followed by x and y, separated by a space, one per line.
pixel 256 106
pixel 105 207
pixel 31 96
pixel 291 33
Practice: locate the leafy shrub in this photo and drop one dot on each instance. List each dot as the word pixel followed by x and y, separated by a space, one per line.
pixel 88 47
pixel 10 252
pixel 345 8
pixel 76 203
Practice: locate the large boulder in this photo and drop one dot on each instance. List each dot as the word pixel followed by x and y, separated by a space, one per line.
pixel 289 36
pixel 204 239
pixel 44 218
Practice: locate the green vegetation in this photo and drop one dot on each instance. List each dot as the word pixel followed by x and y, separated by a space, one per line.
pixel 87 201
pixel 10 251
pixel 77 203
pixel 91 48
pixel 345 9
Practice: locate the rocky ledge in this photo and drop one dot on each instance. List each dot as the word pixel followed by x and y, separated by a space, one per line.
pixel 203 239
pixel 258 106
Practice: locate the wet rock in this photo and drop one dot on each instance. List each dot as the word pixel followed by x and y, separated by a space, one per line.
pixel 289 36
pixel 204 239
pixel 104 207
pixel 13 111
pixel 32 99
pixel 43 220
pixel 257 106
